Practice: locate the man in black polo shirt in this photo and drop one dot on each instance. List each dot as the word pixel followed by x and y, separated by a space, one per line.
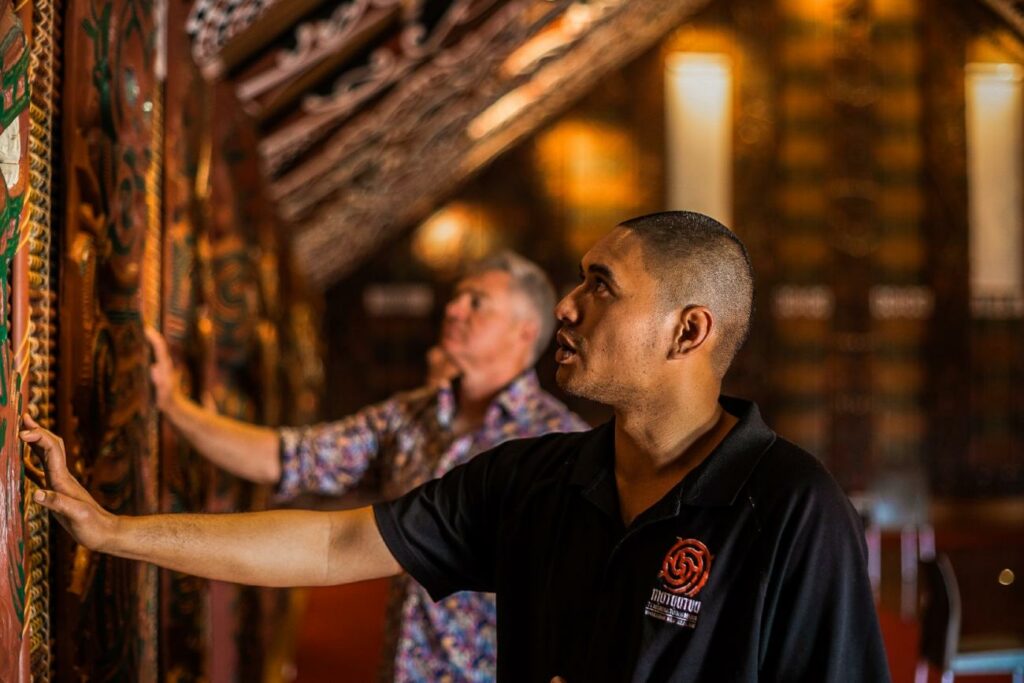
pixel 682 541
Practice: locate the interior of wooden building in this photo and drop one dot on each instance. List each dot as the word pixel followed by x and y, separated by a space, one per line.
pixel 289 190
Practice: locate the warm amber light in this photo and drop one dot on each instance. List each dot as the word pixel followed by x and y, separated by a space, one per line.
pixel 559 33
pixel 588 164
pixel 995 178
pixel 1006 577
pixel 452 236
pixel 591 170
pixel 698 112
pixel 511 104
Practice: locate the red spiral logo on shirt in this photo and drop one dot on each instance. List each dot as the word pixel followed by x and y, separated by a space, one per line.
pixel 686 567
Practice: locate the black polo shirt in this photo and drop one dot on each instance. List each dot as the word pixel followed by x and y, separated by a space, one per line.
pixel 751 568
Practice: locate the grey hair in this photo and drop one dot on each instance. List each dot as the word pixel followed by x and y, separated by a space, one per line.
pixel 531 280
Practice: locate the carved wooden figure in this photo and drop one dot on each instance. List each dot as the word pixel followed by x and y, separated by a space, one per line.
pixel 108 610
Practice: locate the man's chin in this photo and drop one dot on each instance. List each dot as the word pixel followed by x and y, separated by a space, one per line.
pixel 571 381
pixel 568 379
pixel 450 346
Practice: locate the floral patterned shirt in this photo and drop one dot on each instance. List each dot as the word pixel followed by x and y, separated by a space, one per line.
pixel 389 448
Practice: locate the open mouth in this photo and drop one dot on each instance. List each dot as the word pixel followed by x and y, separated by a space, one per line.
pixel 566 351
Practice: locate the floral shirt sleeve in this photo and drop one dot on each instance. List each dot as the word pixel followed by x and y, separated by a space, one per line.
pixel 404 442
pixel 333 457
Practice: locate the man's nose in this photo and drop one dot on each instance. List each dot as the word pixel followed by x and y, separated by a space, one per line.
pixel 566 311
pixel 455 308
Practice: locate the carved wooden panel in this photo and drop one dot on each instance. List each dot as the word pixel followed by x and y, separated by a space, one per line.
pixel 851 195
pixel 107 606
pixel 302 364
pixel 16 543
pixel 360 101
pixel 847 298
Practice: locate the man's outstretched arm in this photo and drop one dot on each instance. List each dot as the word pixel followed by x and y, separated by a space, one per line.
pixel 276 548
pixel 245 450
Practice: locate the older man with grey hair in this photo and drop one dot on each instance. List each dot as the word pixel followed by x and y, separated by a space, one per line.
pixel 483 392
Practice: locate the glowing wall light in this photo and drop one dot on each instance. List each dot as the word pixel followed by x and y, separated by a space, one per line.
pixel 698 114
pixel 590 171
pixel 454 235
pixel 995 115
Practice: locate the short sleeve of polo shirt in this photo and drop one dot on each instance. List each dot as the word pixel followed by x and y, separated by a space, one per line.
pixel 444 532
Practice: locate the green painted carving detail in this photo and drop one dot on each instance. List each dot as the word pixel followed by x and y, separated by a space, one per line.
pixel 14 82
pixel 120 45
pixel 9 218
pixel 10 221
pixel 129 161
pixel 14 100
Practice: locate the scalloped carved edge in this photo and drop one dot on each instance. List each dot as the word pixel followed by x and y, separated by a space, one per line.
pixel 43 73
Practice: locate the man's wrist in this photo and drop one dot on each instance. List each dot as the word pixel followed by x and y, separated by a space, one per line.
pixel 114 538
pixel 174 407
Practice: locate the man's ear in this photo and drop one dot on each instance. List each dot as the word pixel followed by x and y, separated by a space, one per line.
pixel 692 330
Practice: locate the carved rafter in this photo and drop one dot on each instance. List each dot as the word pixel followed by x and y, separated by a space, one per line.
pixel 450 118
pixel 371 110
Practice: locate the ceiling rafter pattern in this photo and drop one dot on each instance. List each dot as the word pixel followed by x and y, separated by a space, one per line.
pixel 419 145
pixel 372 111
pixel 385 68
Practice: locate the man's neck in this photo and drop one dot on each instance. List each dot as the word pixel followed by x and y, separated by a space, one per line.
pixel 657 446
pixel 475 393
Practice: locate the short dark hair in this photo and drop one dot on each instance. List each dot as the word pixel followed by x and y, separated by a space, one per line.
pixel 699 261
pixel 530 279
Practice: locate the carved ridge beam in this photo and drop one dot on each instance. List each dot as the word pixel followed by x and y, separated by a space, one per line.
pixel 396 161
pixel 451 89
pixel 387 66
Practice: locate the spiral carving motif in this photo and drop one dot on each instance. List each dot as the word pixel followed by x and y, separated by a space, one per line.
pixel 686 567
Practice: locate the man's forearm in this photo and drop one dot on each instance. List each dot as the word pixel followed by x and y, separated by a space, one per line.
pixel 247 451
pixel 275 548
